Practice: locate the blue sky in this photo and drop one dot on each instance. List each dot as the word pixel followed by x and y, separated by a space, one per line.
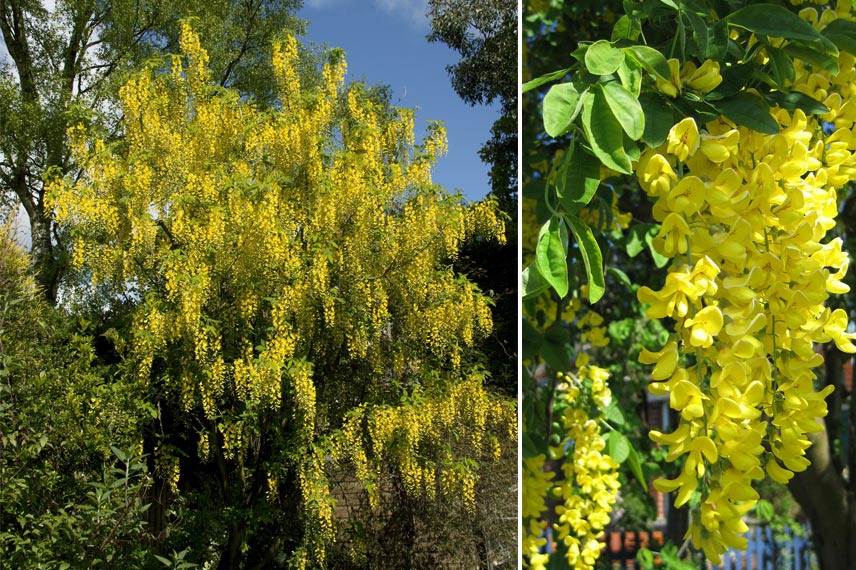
pixel 384 42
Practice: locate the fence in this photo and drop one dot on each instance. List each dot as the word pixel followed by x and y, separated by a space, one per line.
pixel 790 552
pixel 765 552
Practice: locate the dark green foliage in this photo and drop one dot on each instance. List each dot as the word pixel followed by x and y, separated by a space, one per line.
pixel 71 482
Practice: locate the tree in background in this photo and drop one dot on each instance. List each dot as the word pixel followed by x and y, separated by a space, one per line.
pixel 484 33
pixel 293 316
pixel 66 65
pixel 705 109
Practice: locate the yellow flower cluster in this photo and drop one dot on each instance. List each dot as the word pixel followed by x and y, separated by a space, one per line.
pixel 233 440
pixel 318 505
pixel 588 485
pixel 536 483
pixel 204 447
pixel 409 436
pixel 166 466
pixel 744 217
pixel 703 79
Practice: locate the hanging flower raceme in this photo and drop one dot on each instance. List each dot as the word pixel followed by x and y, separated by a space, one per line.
pixel 584 481
pixel 745 218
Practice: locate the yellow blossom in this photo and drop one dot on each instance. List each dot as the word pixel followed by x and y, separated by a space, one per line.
pixel 683 139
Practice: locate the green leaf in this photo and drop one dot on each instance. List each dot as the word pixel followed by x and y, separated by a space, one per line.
pixel 631 148
pixel 773 20
pixel 637 237
pixel 651 60
pixel 546 78
pixel 781 67
pixel 626 28
pixel 764 510
pixel 796 100
pixel 592 259
pixel 750 111
pixel 121 455
pixel 633 244
pixel 630 74
pixel 604 133
pixel 659 260
pixel 734 79
pixel 602 58
pixel 533 282
pixel 533 444
pixel 578 179
pixel 626 108
pixel 617 446
pixel 636 466
pixel 717 41
pixel 532 340
pixel 829 47
pixel 814 57
pixel 613 414
pixel 556 355
pixel 164 561
pixel 561 106
pixel 558 335
pixel 842 33
pixel 535 189
pixel 700 32
pixel 621 277
pixel 551 254
pixel 645 559
pixel 658 119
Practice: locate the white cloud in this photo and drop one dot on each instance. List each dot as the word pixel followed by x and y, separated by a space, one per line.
pixel 411 10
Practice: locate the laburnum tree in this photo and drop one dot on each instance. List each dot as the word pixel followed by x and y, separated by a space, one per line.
pixel 295 312
pixel 718 138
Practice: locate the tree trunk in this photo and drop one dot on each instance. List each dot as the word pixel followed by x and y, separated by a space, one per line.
pixel 47 269
pixel 821 492
pixel 157 495
pixel 232 555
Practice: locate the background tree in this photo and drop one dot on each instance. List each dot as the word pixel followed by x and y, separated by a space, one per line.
pixel 292 312
pixel 66 64
pixel 484 33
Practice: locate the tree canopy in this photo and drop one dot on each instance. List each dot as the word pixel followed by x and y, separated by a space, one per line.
pixel 66 64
